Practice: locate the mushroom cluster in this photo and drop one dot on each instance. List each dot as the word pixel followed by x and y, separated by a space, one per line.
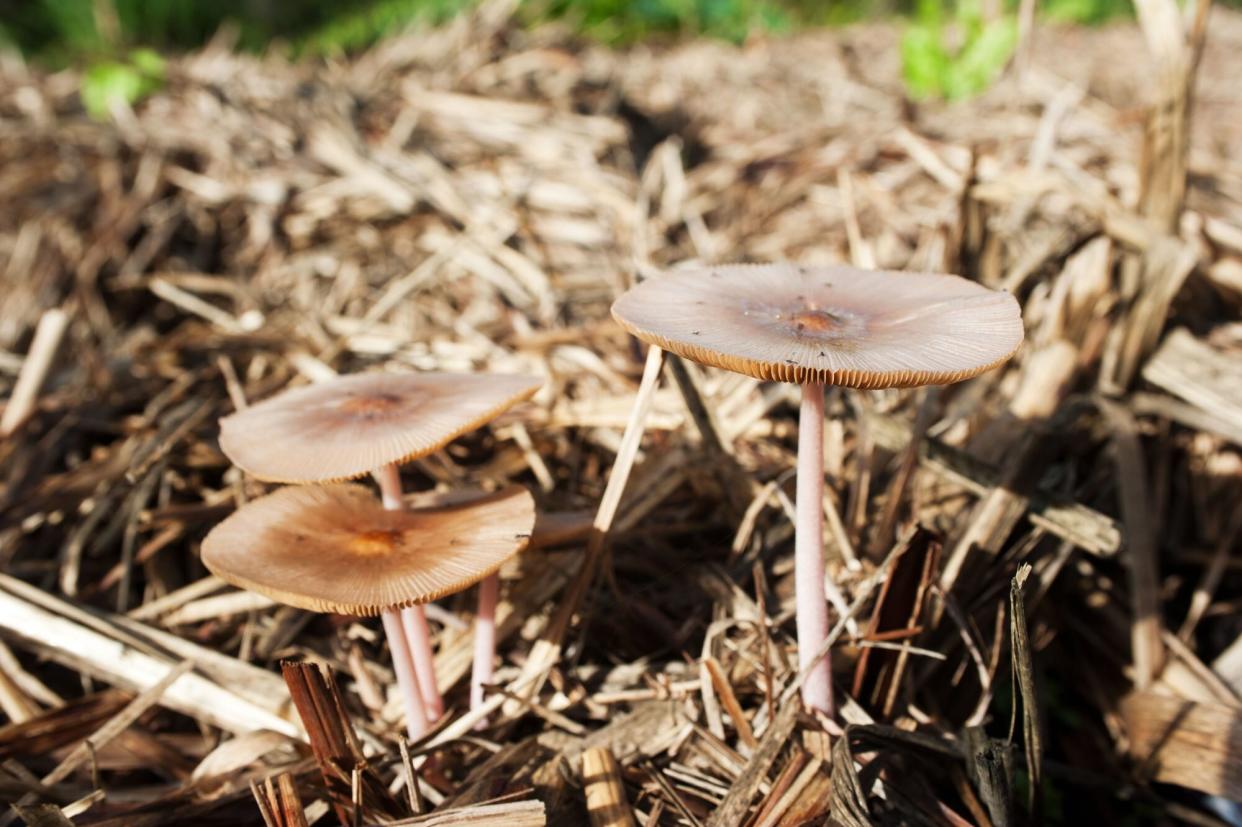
pixel 333 547
pixel 818 326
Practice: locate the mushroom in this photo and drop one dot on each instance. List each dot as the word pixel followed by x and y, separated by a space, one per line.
pixel 334 548
pixel 818 326
pixel 371 423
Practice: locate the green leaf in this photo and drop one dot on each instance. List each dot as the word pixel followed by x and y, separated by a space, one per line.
pixel 924 62
pixel 109 82
pixel 73 22
pixel 149 63
pixel 929 13
pixel 932 70
pixel 105 83
pixel 982 59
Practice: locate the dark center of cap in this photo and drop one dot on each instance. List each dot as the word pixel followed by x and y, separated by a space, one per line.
pixel 816 321
pixel 371 404
pixel 374 543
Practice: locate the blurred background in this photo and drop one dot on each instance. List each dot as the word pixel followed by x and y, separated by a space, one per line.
pixel 62 31
pixel 951 49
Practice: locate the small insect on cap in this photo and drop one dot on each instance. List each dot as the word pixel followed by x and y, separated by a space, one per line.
pixel 833 325
pixel 350 426
pixel 335 548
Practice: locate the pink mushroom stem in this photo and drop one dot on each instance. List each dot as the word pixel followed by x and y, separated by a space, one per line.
pixel 812 602
pixel 484 639
pixel 413 619
pixel 407 681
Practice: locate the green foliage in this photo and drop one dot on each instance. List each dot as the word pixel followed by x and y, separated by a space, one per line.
pixel 935 69
pixel 129 82
pixel 46 25
pixel 1091 12
pixel 74 23
pixel 619 21
pixel 61 32
pixel 66 31
pixel 359 27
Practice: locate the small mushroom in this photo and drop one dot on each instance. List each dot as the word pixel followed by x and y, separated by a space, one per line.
pixel 370 423
pixel 335 548
pixel 351 426
pixel 818 326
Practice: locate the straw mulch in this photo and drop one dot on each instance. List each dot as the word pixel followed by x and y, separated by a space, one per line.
pixel 1055 540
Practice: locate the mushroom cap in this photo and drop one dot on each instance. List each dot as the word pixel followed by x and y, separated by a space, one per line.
pixel 833 325
pixel 335 548
pixel 352 425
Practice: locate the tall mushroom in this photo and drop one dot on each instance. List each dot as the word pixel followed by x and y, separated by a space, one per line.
pixel 334 548
pixel 369 424
pixel 818 326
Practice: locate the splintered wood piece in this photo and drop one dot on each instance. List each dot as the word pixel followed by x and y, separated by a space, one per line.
pixel 510 772
pixel 124 719
pixel 236 753
pixel 1195 745
pixel 120 651
pixel 727 697
pixel 1166 135
pixel 988 765
pixel 559 528
pixel 995 515
pixel 16 704
pixel 263 799
pixel 895 496
pixel 785 779
pixel 1083 526
pixel 849 799
pixel 806 799
pixel 1206 377
pixel 1141 537
pixel 1163 270
pixel 333 740
pixel 55 728
pixel 732 811
pixel 32 689
pixel 279 803
pixel 42 815
pixel 898 610
pixel 34 371
pixel 1022 660
pixel 290 801
pixel 604 787
pixel 506 814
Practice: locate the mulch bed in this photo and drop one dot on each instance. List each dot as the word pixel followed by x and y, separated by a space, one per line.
pixel 1038 568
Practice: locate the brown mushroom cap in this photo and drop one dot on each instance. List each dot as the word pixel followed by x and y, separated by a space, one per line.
pixel 335 548
pixel 833 325
pixel 350 426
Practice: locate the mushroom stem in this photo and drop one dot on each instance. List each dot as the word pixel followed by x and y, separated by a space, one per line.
pixel 407 682
pixel 484 639
pixel 414 620
pixel 812 602
pixel 389 479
